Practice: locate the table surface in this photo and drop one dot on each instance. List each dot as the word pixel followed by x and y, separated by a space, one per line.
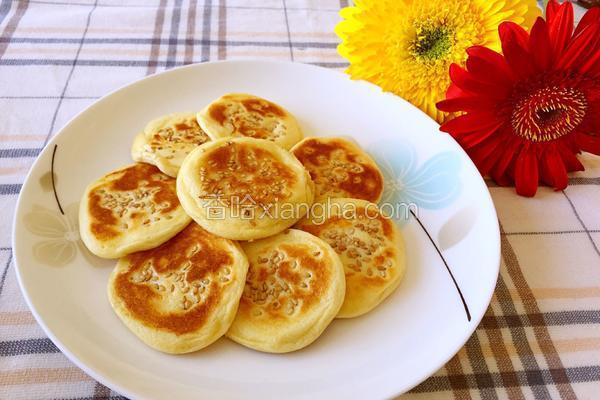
pixel 540 337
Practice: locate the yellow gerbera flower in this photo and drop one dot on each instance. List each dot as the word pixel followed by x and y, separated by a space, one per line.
pixel 407 46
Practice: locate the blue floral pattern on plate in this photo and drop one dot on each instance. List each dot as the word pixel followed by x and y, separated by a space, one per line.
pixel 432 185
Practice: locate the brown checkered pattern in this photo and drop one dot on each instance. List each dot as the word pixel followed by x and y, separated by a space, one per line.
pixel 540 337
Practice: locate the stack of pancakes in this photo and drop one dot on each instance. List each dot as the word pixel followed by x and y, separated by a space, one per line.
pixel 215 230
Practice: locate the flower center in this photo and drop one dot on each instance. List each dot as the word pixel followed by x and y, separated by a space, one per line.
pixel 71 236
pixel 432 43
pixel 548 113
pixel 396 185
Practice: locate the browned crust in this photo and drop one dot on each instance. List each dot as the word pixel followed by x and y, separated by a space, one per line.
pixel 230 167
pixel 334 231
pixel 139 297
pixel 292 285
pixel 138 177
pixel 243 123
pixel 182 133
pixel 334 163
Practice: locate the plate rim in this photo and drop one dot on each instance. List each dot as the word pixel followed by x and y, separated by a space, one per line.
pixel 111 383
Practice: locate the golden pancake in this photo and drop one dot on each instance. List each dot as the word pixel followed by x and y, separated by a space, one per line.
pixel 131 209
pixel 370 247
pixel 294 288
pixel 182 295
pixel 245 115
pixel 340 168
pixel 166 141
pixel 244 188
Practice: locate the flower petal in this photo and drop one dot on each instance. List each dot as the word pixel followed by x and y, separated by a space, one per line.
pixel 470 139
pixel 583 50
pixel 591 64
pixel 454 91
pixel 502 180
pixel 72 214
pixel 560 27
pixel 591 123
pixel 55 252
pixel 553 171
pixel 467 103
pixel 510 152
pixel 490 161
pixel 591 69
pixel 491 57
pixel 570 159
pixel 481 153
pixel 588 143
pixel 526 172
pixel 44 222
pixel 519 34
pixel 435 183
pixel 467 82
pixel 486 72
pixel 551 9
pixel 515 49
pixel 539 43
pixel 590 17
pixel 469 123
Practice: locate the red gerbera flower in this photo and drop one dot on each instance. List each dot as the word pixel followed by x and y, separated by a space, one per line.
pixel 527 113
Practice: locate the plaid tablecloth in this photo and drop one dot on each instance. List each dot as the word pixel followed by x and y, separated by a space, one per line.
pixel 540 337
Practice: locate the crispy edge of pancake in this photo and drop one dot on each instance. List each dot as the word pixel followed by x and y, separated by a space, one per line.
pixel 215 327
pixel 167 120
pixel 355 306
pixel 237 228
pixel 355 148
pixel 216 131
pixel 133 241
pixel 140 153
pixel 304 330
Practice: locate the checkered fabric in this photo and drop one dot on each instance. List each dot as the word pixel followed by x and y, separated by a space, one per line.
pixel 540 337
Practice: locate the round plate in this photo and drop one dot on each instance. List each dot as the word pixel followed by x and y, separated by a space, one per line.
pixel 381 354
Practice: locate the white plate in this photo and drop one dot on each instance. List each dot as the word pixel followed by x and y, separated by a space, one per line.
pixel 386 352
